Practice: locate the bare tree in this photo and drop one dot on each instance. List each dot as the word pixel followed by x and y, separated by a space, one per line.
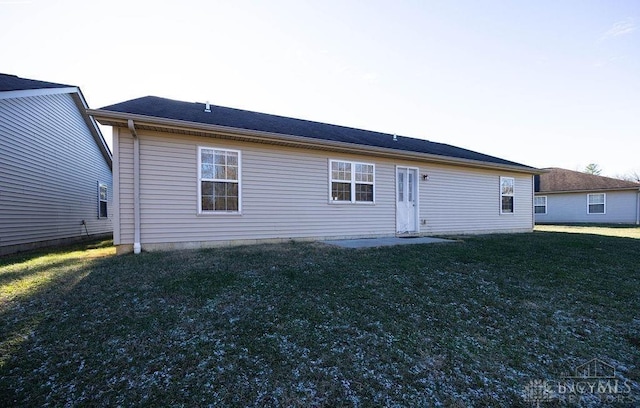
pixel 631 176
pixel 593 168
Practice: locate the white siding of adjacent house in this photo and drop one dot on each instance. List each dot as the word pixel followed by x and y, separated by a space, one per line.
pixel 621 207
pixel 285 195
pixel 50 167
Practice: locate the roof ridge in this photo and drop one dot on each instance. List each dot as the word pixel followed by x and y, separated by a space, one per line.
pixel 11 82
pixel 159 107
pixel 559 179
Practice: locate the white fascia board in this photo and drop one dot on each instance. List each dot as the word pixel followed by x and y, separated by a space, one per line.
pixel 23 93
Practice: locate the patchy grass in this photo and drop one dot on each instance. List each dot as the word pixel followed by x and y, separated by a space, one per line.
pixel 31 282
pixel 624 231
pixel 463 324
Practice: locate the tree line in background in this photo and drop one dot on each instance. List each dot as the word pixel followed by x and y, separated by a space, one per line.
pixel 594 168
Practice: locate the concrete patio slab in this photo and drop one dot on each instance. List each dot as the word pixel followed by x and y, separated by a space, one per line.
pixel 387 241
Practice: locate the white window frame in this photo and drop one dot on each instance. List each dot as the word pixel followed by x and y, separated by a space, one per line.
pixel 353 182
pixel 200 179
pixel 604 203
pixel 105 200
pixel 512 195
pixel 539 205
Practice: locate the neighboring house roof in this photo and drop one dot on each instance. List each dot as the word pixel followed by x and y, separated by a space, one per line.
pixel 190 114
pixel 15 83
pixel 12 86
pixel 557 180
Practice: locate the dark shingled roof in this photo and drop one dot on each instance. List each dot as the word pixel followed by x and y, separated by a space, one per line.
pixel 15 83
pixel 236 118
pixel 557 179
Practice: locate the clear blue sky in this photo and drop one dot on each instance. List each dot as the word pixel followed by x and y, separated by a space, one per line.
pixel 544 83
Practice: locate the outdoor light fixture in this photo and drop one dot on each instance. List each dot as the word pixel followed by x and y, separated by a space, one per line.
pixel 425 177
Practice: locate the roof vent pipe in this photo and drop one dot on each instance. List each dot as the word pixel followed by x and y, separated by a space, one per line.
pixel 395 138
pixel 207 107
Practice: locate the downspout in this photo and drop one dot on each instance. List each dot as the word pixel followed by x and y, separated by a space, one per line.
pixel 533 200
pixel 136 188
pixel 638 208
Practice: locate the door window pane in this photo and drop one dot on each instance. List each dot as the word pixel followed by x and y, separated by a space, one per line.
pixel 410 186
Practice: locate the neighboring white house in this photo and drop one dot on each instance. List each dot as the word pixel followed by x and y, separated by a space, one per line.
pixel 55 167
pixel 195 175
pixel 566 196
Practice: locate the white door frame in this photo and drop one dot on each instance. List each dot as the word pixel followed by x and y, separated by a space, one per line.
pixel 416 200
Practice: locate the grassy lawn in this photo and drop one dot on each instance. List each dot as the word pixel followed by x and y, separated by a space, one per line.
pixel 470 323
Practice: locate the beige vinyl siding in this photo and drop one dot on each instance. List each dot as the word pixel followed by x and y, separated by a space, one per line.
pixel 50 166
pixel 285 194
pixel 123 156
pixel 621 207
pixel 465 200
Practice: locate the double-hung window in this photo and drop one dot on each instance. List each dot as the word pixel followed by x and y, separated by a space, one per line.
pixel 103 199
pixel 596 203
pixel 540 205
pixel 506 195
pixel 351 182
pixel 218 180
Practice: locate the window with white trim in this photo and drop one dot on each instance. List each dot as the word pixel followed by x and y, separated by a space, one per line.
pixel 218 180
pixel 596 203
pixel 540 204
pixel 351 182
pixel 103 199
pixel 506 195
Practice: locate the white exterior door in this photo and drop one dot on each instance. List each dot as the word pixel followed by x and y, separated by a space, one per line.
pixel 406 200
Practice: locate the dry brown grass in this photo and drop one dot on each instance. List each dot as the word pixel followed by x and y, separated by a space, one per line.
pixel 610 231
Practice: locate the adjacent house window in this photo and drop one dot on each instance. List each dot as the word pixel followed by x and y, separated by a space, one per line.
pixel 540 205
pixel 596 203
pixel 351 182
pixel 506 195
pixel 103 199
pixel 218 180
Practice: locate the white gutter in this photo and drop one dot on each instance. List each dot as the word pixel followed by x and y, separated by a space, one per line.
pixel 533 199
pixel 136 188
